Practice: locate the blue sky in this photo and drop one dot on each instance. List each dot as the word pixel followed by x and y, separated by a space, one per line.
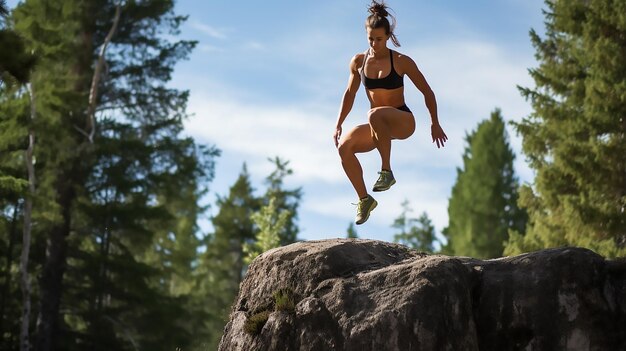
pixel 267 78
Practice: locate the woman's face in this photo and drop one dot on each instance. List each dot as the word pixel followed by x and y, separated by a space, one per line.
pixel 377 38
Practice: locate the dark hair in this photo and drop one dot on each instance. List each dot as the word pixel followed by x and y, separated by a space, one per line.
pixel 378 19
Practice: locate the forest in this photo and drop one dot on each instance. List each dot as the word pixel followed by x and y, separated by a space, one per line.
pixel 100 188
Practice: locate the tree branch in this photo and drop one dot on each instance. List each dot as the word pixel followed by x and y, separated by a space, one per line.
pixel 93 92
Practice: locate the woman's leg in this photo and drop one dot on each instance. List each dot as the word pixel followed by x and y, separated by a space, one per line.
pixel 387 123
pixel 356 141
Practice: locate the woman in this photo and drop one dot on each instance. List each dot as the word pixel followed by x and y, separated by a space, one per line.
pixel 381 70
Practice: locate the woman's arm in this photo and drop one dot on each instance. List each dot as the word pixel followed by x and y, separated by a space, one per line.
pixel 348 96
pixel 411 70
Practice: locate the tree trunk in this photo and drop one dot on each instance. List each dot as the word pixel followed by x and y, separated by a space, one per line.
pixel 28 209
pixel 7 277
pixel 52 276
pixel 56 252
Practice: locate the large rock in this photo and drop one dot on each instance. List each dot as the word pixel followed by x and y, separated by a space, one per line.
pixel 370 295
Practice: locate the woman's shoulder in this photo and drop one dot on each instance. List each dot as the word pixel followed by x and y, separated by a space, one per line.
pixel 358 57
pixel 357 60
pixel 401 56
pixel 402 59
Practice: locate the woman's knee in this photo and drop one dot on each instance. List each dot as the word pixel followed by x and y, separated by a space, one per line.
pixel 377 121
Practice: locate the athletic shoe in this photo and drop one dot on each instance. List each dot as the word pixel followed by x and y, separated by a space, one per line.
pixel 385 181
pixel 363 209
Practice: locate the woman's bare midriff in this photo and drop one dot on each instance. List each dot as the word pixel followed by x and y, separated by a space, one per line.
pixel 386 97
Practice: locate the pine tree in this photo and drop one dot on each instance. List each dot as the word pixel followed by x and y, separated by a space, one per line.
pixel 113 183
pixel 416 233
pixel 351 232
pixel 10 294
pixel 49 30
pixel 13 185
pixel 286 199
pixel 483 206
pixel 14 130
pixel 147 236
pixel 575 139
pixel 15 64
pixel 222 265
pixel 270 221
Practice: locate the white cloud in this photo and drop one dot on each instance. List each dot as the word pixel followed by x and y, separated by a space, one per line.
pixel 303 136
pixel 470 79
pixel 253 45
pixel 209 48
pixel 474 77
pixel 211 31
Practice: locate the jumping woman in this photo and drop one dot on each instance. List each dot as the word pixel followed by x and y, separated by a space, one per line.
pixel 381 70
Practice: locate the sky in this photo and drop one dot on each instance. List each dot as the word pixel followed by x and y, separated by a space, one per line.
pixel 267 78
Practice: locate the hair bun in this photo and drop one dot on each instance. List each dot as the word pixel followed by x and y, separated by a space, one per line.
pixel 378 9
pixel 378 19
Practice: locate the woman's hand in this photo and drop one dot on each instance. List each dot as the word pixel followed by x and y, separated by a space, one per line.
pixel 438 135
pixel 337 135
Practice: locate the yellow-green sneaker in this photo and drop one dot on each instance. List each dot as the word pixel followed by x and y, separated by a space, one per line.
pixel 363 209
pixel 385 181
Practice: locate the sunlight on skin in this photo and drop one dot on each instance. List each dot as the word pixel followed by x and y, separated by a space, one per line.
pixel 386 121
pixel 472 71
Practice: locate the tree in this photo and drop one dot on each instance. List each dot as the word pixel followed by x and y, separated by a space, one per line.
pixel 14 122
pixel 575 139
pixel 138 248
pixel 483 206
pixel 27 230
pixel 15 64
pixel 222 265
pixel 57 98
pixel 351 232
pixel 416 233
pixel 270 222
pixel 286 199
pixel 10 307
pixel 15 67
pixel 113 173
pixel 244 227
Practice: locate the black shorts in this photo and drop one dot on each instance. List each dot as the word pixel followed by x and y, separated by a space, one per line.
pixel 404 108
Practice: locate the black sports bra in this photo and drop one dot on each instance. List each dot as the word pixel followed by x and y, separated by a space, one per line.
pixel 392 81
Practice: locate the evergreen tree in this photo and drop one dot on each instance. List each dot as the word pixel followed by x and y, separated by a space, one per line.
pixel 14 140
pixel 351 232
pixel 416 233
pixel 15 64
pixel 129 241
pixel 12 177
pixel 14 116
pixel 49 30
pixel 112 184
pixel 222 266
pixel 575 139
pixel 483 206
pixel 286 199
pixel 270 222
pixel 10 294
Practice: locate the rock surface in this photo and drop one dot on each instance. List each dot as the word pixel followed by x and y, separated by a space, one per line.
pixel 353 294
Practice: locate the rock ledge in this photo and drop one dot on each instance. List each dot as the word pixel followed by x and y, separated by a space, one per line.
pixel 354 294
